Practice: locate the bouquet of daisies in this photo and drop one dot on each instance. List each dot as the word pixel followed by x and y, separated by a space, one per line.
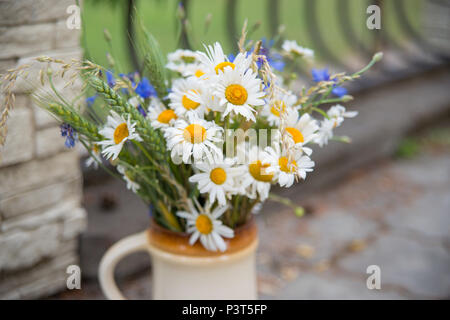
pixel 203 136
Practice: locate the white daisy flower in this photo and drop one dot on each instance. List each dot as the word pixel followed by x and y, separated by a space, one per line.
pixel 95 157
pixel 255 180
pixel 131 185
pixel 239 93
pixel 215 61
pixel 288 167
pixel 336 116
pixel 186 97
pixel 301 131
pixel 217 178
pixel 159 115
pixel 181 60
pixel 117 131
pixel 194 137
pixel 291 47
pixel 211 101
pixel 338 113
pixel 195 71
pixel 282 103
pixel 208 228
pixel 325 132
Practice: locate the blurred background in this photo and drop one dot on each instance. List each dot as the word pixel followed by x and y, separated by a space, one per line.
pixel 383 199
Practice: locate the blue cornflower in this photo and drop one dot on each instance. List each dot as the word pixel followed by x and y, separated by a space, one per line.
pixel 339 91
pixel 320 75
pixel 151 209
pixel 110 78
pixel 145 89
pixel 231 57
pixel 323 75
pixel 130 76
pixel 142 111
pixel 90 100
pixel 274 59
pixel 265 48
pixel 70 133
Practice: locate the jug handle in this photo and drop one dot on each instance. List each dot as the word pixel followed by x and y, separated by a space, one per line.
pixel 124 247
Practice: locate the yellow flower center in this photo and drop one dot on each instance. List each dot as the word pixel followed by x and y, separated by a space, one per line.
pixel 278 106
pixel 204 224
pixel 166 116
pixel 236 94
pixel 121 133
pixel 188 104
pixel 296 135
pixel 199 73
pixel 221 66
pixel 188 59
pixel 194 133
pixel 96 148
pixel 287 167
pixel 258 171
pixel 218 176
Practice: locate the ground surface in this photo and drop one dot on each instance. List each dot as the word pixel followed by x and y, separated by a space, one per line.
pixel 395 214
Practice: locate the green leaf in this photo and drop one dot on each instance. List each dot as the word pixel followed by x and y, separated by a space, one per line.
pixel 154 61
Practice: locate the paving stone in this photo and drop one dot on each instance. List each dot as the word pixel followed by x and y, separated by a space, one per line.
pixel 65 37
pixel 45 278
pixel 75 224
pixel 427 170
pixel 32 220
pixel 43 118
pixel 23 40
pixel 314 286
pixel 19 145
pixel 40 188
pixel 23 248
pixel 325 234
pixel 49 142
pixel 15 12
pixel 333 232
pixel 40 197
pixel 27 176
pixel 404 262
pixel 33 72
pixel 430 215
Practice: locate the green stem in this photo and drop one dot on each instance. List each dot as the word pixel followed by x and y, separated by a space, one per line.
pixel 377 57
pixel 145 152
pixel 50 80
pixel 299 211
pixel 235 215
pixel 334 100
pixel 320 111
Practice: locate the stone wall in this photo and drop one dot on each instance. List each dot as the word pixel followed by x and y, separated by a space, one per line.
pixel 40 179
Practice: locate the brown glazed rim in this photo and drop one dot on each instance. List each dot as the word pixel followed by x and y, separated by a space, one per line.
pixel 178 242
